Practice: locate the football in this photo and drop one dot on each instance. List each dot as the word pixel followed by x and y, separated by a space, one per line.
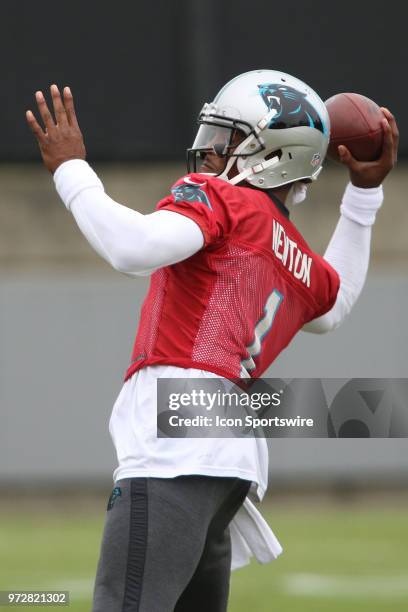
pixel 356 123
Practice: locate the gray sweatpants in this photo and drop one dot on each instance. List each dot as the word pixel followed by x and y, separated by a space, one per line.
pixel 166 545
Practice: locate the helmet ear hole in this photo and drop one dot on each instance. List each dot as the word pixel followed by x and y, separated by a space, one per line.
pixel 277 153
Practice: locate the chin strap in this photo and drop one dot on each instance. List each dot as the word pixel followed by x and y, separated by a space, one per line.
pixel 254 170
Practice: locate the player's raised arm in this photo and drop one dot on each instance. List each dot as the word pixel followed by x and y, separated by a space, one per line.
pixel 131 242
pixel 349 248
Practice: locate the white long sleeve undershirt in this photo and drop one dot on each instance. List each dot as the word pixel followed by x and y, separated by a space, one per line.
pixel 138 244
pixel 132 243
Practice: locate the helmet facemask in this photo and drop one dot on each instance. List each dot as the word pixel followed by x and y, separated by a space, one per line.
pixel 216 135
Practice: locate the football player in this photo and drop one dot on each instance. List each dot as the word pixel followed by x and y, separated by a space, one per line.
pixel 232 281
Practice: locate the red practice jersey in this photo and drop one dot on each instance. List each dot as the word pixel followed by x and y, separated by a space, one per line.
pixel 234 305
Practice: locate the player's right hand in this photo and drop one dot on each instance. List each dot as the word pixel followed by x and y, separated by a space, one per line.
pixel 62 139
pixel 371 174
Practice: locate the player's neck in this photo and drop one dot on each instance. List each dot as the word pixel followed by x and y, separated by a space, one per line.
pixel 281 192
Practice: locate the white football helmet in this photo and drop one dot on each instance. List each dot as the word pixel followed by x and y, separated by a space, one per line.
pixel 286 127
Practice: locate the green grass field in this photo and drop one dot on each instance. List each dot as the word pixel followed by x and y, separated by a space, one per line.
pixel 336 560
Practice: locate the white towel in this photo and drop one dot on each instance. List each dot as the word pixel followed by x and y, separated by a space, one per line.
pixel 251 536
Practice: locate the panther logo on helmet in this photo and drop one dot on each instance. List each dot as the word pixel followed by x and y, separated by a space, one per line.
pixel 293 110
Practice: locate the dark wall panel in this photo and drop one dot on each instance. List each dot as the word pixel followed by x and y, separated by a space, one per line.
pixel 141 70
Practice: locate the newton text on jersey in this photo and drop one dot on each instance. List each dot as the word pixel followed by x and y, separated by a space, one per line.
pixel 291 256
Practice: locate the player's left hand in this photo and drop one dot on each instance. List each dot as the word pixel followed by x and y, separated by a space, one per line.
pixel 371 174
pixel 62 139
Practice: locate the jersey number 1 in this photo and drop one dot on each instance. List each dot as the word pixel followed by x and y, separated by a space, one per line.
pixel 262 328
